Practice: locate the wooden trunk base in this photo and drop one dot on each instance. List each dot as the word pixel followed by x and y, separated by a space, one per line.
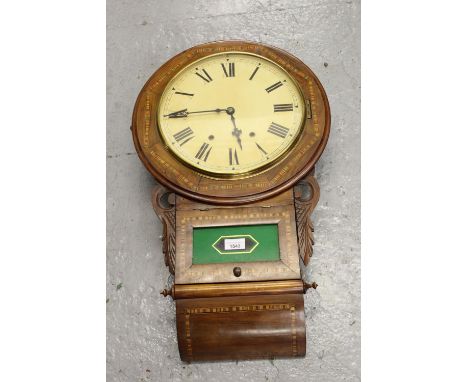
pixel 239 328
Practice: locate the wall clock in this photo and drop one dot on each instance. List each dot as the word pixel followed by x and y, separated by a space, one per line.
pixel 232 130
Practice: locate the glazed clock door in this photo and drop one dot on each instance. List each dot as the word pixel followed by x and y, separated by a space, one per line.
pixel 231 113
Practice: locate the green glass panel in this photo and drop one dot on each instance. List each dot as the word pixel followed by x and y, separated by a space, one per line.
pixel 234 244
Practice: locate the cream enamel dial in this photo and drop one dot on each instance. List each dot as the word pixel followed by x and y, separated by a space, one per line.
pixel 231 113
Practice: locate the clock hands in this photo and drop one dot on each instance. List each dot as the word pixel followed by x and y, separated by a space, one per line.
pixel 230 111
pixel 236 132
pixel 184 113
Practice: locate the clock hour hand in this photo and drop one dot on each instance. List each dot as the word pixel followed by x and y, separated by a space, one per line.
pixel 236 132
pixel 183 113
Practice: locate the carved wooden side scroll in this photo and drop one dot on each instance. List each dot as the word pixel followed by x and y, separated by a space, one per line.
pixel 164 205
pixel 306 196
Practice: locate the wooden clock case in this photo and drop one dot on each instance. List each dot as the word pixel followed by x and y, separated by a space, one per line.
pixel 246 310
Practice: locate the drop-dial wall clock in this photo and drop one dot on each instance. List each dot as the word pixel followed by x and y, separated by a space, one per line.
pixel 232 131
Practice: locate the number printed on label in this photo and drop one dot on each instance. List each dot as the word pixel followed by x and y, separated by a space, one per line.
pixel 230 244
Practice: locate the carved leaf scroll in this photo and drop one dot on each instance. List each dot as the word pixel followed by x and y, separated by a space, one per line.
pixel 306 196
pixel 164 206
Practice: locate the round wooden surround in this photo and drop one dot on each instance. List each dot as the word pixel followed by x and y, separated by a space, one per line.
pixel 244 188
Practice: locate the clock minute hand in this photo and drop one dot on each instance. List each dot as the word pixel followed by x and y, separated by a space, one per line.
pixel 183 113
pixel 177 114
pixel 207 111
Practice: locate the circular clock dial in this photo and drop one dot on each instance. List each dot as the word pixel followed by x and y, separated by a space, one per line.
pixel 231 113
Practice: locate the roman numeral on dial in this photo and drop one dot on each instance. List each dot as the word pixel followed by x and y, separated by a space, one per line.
pixel 274 86
pixel 278 130
pixel 233 159
pixel 283 107
pixel 203 152
pixel 261 149
pixel 187 94
pixel 184 135
pixel 254 73
pixel 231 72
pixel 206 77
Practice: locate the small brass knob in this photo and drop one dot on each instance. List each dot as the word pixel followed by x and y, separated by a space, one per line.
pixel 237 271
pixel 168 292
pixel 314 285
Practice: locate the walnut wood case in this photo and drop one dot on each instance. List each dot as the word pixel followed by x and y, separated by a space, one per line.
pixel 260 313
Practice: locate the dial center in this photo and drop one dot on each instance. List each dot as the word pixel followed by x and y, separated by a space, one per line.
pixel 230 110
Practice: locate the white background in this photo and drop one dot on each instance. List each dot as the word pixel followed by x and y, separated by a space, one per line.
pixel 414 157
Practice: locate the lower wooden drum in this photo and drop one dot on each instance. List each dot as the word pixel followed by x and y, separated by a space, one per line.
pixel 241 327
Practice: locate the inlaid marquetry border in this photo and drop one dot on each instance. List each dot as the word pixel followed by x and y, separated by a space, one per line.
pixel 287 267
